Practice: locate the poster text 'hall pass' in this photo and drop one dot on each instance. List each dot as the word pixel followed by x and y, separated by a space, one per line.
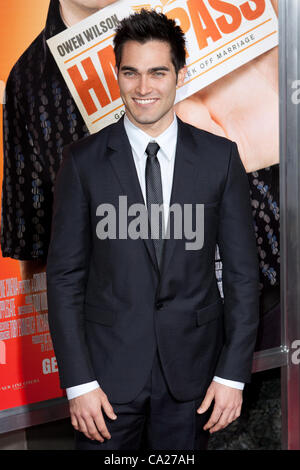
pixel 85 53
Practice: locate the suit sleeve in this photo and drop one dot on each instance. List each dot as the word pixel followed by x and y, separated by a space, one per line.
pixel 67 270
pixel 240 274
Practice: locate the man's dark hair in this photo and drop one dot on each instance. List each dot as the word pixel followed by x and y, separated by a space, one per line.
pixel 149 25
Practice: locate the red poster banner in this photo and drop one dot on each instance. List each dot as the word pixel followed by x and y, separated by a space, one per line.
pixel 28 369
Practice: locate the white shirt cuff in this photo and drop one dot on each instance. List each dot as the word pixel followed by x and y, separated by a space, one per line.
pixel 77 390
pixel 229 383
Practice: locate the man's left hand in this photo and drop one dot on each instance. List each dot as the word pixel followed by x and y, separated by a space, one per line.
pixel 227 407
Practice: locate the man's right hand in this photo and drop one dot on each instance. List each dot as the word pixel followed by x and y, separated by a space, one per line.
pixel 86 414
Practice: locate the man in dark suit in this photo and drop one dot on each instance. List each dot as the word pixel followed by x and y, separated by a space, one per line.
pixel 139 328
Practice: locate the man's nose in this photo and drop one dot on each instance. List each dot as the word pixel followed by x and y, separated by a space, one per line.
pixel 144 85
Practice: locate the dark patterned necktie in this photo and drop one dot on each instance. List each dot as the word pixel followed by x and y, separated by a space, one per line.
pixel 154 195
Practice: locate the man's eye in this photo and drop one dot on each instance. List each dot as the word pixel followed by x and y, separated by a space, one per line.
pixel 128 74
pixel 159 74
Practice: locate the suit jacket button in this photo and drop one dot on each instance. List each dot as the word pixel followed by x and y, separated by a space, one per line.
pixel 159 305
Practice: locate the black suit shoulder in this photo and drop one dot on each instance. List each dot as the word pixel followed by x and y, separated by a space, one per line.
pixel 209 150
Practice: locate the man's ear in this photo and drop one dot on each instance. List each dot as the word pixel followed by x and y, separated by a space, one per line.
pixel 117 71
pixel 181 76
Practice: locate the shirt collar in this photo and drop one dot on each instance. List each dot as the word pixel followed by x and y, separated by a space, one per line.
pixel 139 139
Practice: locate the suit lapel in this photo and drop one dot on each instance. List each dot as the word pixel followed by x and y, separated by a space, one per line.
pixel 185 175
pixel 121 159
pixel 184 178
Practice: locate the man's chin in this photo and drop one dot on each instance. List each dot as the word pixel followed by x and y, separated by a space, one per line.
pixel 145 120
pixel 140 121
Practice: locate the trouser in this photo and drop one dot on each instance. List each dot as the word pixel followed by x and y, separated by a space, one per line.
pixel 154 420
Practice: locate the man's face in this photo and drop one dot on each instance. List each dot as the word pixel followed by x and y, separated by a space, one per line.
pixel 147 81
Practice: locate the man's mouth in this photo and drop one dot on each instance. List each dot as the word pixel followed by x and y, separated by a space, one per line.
pixel 145 101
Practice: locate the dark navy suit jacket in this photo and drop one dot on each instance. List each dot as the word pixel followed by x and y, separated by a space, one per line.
pixel 110 306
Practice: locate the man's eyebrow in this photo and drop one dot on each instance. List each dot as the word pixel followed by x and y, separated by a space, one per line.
pixel 161 67
pixel 128 67
pixel 153 69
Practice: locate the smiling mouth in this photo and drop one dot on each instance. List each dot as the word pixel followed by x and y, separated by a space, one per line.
pixel 145 101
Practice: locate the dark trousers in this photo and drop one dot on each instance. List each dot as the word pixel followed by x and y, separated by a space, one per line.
pixel 154 420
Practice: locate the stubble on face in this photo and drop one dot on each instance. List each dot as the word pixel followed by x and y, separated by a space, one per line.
pixel 147 81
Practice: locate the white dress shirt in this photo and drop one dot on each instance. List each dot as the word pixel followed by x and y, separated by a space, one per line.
pixel 167 142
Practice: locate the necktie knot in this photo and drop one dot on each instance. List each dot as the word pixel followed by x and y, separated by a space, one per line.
pixel 152 149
